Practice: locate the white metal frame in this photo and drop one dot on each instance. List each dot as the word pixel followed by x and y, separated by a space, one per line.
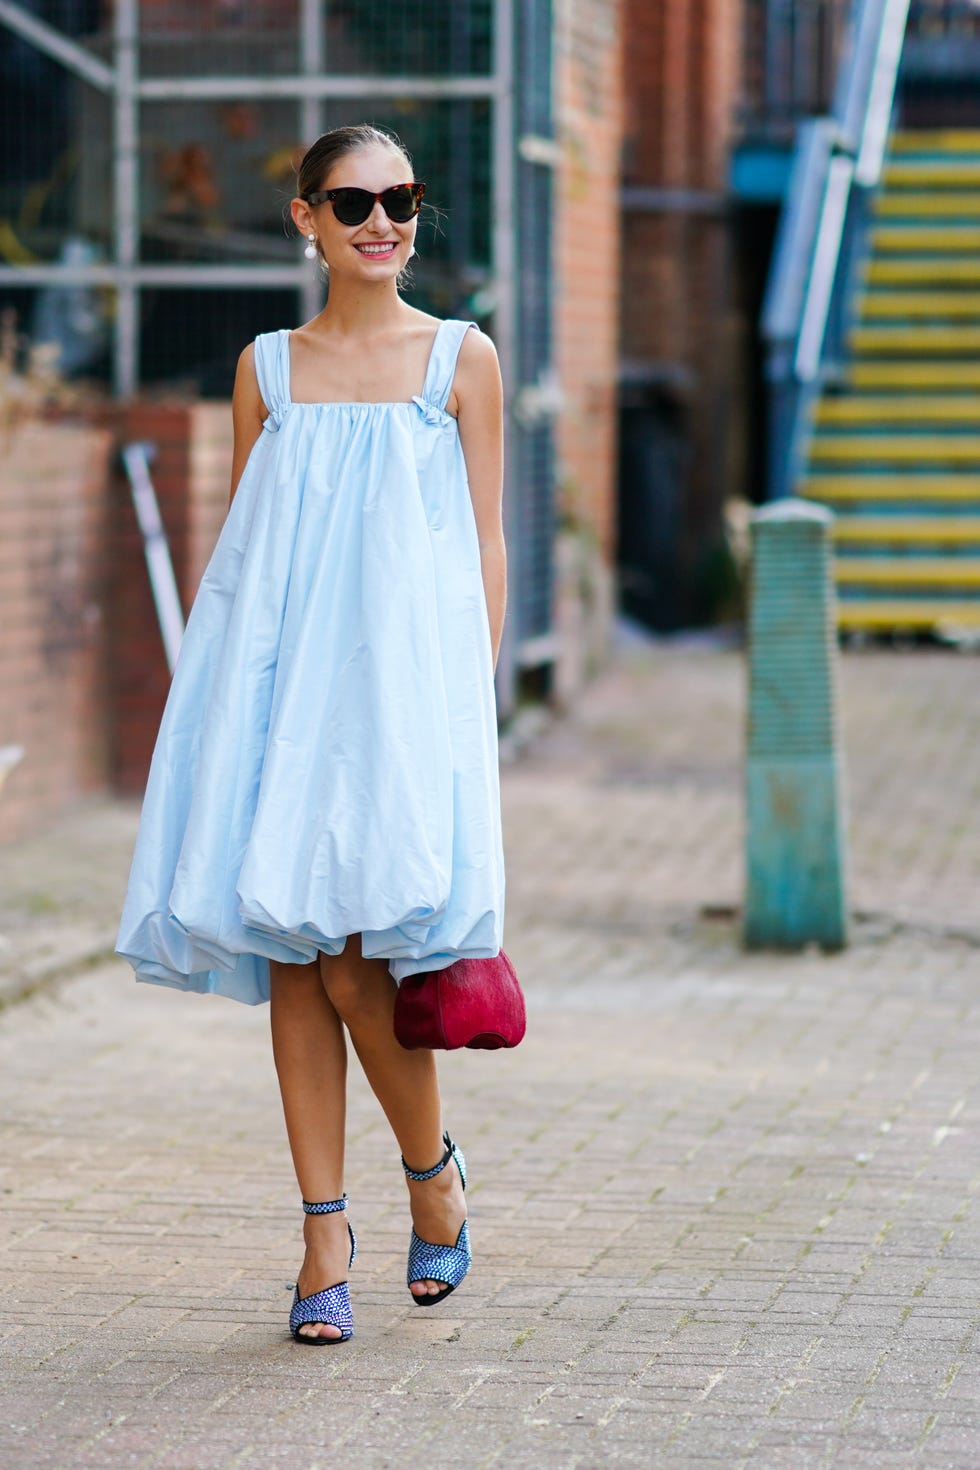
pixel 309 88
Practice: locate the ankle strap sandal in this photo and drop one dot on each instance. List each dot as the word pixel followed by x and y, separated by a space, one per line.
pixel 331 1307
pixel 446 1263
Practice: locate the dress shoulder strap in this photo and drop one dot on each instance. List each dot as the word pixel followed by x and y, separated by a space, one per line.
pixel 442 360
pixel 272 372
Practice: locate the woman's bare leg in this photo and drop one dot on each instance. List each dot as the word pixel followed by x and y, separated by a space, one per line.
pixel 311 1061
pixel 362 993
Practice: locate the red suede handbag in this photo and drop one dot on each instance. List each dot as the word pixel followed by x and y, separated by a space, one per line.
pixel 476 1003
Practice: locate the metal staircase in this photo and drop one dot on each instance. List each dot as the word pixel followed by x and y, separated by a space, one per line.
pixel 894 449
pixel 872 324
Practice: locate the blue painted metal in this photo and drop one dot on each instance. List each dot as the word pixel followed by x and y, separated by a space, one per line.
pixel 782 308
pixel 795 836
pixel 821 234
pixel 760 172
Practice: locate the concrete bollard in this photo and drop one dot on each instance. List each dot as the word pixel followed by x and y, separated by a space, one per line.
pixel 795 857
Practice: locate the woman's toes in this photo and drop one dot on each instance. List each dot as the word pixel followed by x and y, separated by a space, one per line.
pixel 319 1329
pixel 427 1288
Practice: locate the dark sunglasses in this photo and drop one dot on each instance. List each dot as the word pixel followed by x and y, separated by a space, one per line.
pixel 400 203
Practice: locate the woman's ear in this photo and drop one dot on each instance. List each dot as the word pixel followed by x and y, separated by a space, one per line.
pixel 302 219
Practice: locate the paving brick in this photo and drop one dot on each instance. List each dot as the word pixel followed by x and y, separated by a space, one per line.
pixel 721 1202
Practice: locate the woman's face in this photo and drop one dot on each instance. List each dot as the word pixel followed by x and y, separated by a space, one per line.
pixel 379 248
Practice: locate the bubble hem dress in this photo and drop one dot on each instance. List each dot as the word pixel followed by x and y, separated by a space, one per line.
pixel 327 760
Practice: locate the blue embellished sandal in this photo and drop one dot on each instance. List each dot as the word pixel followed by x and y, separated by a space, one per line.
pixel 448 1263
pixel 331 1308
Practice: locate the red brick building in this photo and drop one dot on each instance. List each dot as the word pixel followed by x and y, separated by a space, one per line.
pixel 589 124
pixel 643 97
pixel 87 712
pixel 587 231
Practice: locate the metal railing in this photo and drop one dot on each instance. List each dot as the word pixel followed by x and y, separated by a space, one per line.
pixel 838 161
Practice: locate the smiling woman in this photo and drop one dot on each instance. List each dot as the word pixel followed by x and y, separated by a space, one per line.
pixel 353 205
pixel 322 818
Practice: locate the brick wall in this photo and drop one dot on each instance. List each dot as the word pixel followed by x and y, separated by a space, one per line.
pixel 588 93
pixel 53 631
pixel 190 473
pixel 83 676
pixel 588 107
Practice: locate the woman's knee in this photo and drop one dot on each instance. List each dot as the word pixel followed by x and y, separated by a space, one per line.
pixel 289 980
pixel 356 988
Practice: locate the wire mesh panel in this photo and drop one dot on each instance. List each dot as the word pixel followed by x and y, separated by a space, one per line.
pixel 39 146
pixel 40 163
pixel 535 435
pixel 410 37
pixel 145 178
pixel 213 174
pixel 183 38
pixel 216 178
pixel 191 338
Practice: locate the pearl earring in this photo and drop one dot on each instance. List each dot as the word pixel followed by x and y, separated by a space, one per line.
pixel 311 251
pixel 411 252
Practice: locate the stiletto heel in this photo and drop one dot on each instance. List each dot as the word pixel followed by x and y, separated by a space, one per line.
pixel 331 1307
pixel 448 1263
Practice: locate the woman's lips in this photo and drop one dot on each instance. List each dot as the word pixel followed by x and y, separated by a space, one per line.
pixel 378 252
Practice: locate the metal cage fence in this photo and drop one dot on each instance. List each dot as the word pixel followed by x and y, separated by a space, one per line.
pixel 147 157
pixel 150 148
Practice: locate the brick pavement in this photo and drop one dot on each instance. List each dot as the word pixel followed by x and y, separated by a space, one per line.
pixel 724 1206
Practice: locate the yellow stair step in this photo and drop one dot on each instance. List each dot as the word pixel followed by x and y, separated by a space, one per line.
pixel 856 615
pixel 940 203
pixel 831 488
pixel 899 409
pixel 957 173
pixel 891 448
pixel 907 571
pixel 936 140
pixel 903 304
pixel 916 340
pixel 914 374
pixel 926 530
pixel 925 237
pixel 940 268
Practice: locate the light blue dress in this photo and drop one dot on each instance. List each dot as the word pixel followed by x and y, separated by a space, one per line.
pixel 327 760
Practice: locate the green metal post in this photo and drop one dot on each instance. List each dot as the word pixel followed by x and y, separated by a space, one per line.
pixel 795 840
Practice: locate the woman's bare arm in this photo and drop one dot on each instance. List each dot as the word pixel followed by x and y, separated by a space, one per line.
pixel 478 400
pixel 248 413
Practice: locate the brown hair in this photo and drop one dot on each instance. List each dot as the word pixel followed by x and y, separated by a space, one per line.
pixel 331 147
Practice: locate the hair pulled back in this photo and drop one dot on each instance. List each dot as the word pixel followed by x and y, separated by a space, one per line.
pixel 330 148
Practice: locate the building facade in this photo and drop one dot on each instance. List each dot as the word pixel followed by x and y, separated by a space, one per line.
pixel 146 160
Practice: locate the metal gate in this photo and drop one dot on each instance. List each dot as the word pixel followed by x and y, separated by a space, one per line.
pixel 154 219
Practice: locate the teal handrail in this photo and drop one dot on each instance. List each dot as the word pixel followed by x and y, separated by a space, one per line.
pixel 837 162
